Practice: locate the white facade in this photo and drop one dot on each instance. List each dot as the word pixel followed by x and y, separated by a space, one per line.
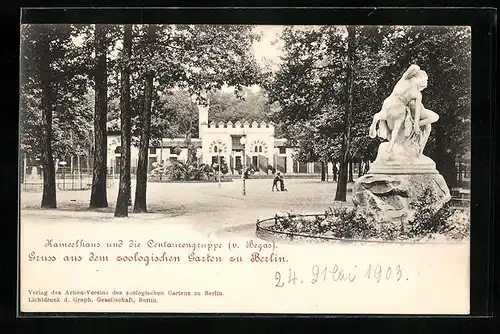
pixel 224 140
pixel 114 153
pixel 155 154
pixel 168 150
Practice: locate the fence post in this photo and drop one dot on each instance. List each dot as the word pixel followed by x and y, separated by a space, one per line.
pixel 79 170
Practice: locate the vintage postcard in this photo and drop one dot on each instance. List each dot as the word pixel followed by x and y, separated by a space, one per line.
pixel 314 169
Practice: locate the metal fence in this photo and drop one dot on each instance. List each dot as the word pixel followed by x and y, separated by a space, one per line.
pixel 66 179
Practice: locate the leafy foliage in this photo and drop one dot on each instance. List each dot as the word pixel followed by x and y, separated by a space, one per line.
pixel 310 86
pixel 252 105
pixel 72 107
pixel 346 223
pixel 175 115
pixel 305 88
pixel 182 171
pixel 450 220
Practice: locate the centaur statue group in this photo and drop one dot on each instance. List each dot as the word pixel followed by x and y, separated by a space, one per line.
pixel 404 108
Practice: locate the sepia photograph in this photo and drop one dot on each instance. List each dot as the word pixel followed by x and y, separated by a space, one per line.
pixel 284 169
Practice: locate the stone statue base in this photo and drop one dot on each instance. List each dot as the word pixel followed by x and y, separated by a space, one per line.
pixel 400 162
pixel 398 198
pixel 399 184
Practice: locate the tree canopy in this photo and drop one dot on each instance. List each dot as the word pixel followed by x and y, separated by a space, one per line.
pixel 308 86
pixel 326 73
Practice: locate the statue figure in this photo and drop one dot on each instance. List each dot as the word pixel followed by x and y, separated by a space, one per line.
pixel 402 180
pixel 427 117
pixel 404 108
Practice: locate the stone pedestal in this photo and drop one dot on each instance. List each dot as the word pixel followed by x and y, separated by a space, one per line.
pixel 397 184
pixel 402 160
pixel 395 198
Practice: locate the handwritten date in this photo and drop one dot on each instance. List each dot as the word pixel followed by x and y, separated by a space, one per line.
pixel 336 273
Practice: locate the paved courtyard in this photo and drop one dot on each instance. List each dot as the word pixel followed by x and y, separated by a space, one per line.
pixel 204 206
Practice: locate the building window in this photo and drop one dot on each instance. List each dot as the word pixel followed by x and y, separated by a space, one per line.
pixel 118 150
pixel 282 150
pixel 260 148
pixel 173 150
pixel 256 149
pixel 152 150
pixel 215 149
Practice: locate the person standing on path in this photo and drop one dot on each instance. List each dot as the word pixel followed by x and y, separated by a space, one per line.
pixel 277 179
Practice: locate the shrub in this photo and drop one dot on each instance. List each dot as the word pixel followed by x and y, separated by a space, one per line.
pixel 339 223
pixel 457 226
pixel 224 169
pixel 348 223
pixel 450 220
pixel 181 171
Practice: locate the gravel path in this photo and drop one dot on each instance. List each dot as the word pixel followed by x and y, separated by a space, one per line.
pixel 205 206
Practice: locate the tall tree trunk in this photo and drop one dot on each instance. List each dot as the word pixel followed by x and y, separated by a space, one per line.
pixel 49 174
pixel 460 171
pixel 98 198
pixel 323 172
pixel 351 176
pixel 445 162
pixel 142 164
pixel 360 172
pixel 122 202
pixel 341 194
